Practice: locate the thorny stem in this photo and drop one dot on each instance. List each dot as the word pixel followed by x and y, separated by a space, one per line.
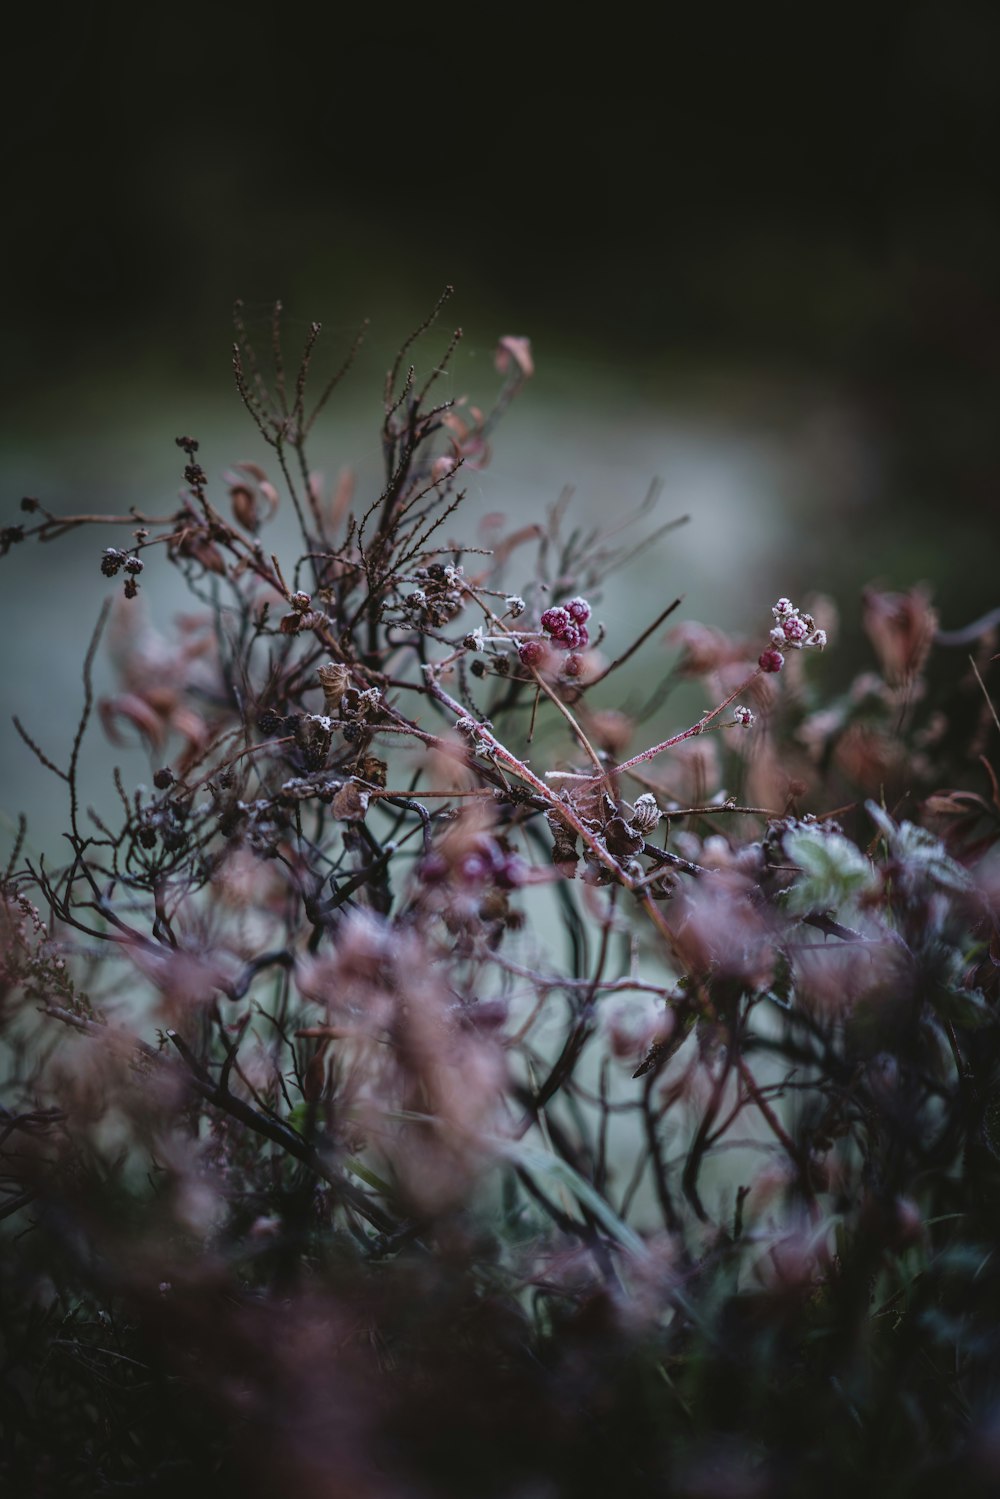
pixel 695 729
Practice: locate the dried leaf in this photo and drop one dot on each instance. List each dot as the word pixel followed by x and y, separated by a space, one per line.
pixel 138 713
pixel 374 770
pixel 334 679
pixel 350 804
pixel 901 628
pixel 621 839
pixel 511 351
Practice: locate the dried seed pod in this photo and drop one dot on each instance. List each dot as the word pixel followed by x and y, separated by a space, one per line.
pixel 645 813
pixel 313 735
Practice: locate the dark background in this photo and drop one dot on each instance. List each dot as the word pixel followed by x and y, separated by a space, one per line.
pixel 784 215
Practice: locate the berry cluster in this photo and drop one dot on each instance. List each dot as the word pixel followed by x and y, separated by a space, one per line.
pixel 112 563
pixel 566 624
pixel 486 862
pixel 793 631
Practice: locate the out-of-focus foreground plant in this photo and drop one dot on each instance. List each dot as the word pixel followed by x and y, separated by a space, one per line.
pixel 428 1085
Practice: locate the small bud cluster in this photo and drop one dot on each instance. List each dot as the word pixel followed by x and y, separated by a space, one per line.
pixel 744 716
pixel 439 595
pixel 793 631
pixel 194 474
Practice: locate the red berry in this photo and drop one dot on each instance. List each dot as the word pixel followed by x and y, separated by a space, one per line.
pixel 771 661
pixel 531 652
pixel 555 621
pixel 579 610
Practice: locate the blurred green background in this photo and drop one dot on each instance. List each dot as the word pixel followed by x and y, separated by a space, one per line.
pixel 757 250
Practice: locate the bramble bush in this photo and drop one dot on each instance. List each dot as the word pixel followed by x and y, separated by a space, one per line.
pixel 427 1085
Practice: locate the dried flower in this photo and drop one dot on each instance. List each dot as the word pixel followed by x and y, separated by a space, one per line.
pixel 645 812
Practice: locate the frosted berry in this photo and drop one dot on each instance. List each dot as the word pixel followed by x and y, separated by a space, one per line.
pixel 771 660
pixel 556 620
pixel 579 610
pixel 531 652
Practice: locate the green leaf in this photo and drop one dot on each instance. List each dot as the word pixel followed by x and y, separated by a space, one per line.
pixel 541 1163
pixel 963 1007
pixel 834 871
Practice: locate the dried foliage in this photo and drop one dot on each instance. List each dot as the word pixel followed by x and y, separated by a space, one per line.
pixel 390 1113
